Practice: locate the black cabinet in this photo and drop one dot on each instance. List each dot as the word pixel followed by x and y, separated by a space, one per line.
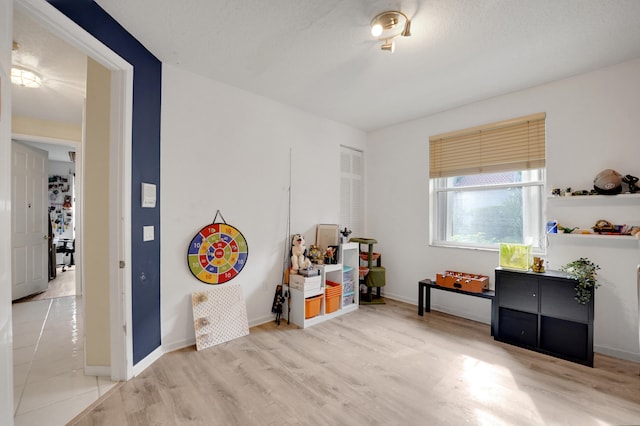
pixel 538 311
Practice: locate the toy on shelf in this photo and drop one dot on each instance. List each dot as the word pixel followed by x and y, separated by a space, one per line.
pixel 299 259
pixel 463 281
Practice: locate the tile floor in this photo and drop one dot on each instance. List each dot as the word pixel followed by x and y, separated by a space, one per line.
pixel 49 384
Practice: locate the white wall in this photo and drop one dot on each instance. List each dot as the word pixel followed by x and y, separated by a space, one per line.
pixel 226 149
pixel 6 338
pixel 591 125
pixel 61 167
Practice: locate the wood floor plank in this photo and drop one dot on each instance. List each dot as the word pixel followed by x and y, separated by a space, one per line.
pixel 380 365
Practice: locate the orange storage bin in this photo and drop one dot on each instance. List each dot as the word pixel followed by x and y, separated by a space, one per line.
pixel 312 306
pixel 333 294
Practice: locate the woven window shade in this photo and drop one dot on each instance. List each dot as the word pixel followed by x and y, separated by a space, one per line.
pixel 517 144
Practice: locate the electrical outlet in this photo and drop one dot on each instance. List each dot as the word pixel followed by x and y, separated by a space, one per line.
pixel 147 233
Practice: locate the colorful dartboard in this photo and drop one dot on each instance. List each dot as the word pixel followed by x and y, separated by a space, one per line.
pixel 217 253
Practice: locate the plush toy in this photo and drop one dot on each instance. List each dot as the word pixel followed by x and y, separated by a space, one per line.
pixel 538 265
pixel 632 181
pixel 299 258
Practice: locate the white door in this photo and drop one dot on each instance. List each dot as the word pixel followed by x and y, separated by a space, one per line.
pixel 29 215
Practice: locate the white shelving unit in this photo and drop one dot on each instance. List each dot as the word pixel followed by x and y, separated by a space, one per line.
pixel 348 257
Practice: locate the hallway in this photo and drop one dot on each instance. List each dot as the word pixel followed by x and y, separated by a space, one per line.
pixel 48 352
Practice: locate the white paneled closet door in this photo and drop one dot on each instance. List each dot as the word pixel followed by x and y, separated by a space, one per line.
pixel 352 191
pixel 29 229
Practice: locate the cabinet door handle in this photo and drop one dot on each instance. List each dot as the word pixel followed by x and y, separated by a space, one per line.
pixel 534 295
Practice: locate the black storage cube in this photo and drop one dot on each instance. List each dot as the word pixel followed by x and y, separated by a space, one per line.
pixel 566 338
pixel 538 311
pixel 519 328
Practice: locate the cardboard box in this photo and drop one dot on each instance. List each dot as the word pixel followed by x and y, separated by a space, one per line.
pixel 305 283
pixel 463 281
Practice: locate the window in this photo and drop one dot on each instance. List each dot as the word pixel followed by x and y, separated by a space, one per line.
pixel 351 190
pixel 487 184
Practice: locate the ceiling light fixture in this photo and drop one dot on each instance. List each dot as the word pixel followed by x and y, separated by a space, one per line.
pixel 25 78
pixel 388 25
pixel 389 46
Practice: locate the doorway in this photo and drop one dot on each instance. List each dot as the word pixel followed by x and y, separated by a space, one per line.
pixel 56 201
pixel 63 213
pixel 118 177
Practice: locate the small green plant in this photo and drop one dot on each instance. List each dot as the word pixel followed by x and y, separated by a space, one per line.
pixel 585 272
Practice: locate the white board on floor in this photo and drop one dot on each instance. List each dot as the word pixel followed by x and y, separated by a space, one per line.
pixel 219 315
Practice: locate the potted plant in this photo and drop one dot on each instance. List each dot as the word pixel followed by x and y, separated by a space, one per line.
pixel 584 271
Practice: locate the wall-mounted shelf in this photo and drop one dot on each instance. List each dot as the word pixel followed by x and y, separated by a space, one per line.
pixel 584 209
pixel 594 236
pixel 620 198
pixel 624 241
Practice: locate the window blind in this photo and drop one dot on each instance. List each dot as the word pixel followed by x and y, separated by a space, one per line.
pixel 516 144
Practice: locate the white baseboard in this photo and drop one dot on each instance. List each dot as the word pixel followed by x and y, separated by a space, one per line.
pixel 399 298
pixel 97 370
pixel 178 345
pixel 441 308
pixel 265 319
pixel 457 313
pixel 617 353
pixel 174 346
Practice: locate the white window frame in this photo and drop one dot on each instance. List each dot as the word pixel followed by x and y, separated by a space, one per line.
pixel 533 225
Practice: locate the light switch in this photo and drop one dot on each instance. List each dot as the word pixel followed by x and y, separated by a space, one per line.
pixel 147 233
pixel 148 195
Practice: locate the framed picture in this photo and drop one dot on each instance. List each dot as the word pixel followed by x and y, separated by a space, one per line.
pixel 326 235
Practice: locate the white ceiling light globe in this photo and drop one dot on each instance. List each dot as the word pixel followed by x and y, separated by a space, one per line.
pixel 376 30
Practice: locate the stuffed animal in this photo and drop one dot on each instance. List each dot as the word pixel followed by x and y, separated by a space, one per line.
pixel 632 181
pixel 538 265
pixel 299 258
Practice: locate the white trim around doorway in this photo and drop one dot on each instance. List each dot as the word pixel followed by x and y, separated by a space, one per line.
pixel 120 178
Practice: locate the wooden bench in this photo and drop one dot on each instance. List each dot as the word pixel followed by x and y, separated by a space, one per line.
pixel 424 296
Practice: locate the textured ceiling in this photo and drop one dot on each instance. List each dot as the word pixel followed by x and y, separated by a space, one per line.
pixel 63 70
pixel 319 55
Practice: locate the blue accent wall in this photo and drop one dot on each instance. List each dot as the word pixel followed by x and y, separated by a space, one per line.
pixel 145 165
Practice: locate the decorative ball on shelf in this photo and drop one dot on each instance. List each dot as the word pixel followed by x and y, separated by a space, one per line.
pixel 608 182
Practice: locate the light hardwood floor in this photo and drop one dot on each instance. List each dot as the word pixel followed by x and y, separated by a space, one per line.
pixel 64 284
pixel 381 365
